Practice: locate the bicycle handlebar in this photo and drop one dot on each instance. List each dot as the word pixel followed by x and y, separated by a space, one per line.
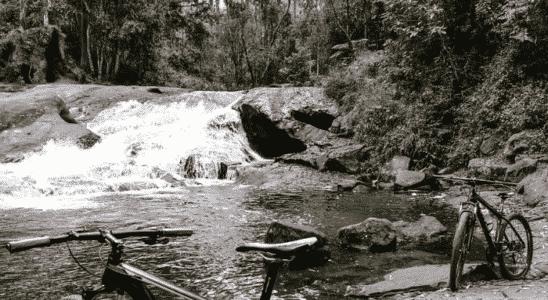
pixel 22 245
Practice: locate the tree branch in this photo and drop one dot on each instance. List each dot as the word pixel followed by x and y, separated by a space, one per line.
pixel 280 24
pixel 338 21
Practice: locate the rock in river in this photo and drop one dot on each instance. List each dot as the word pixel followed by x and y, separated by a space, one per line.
pixel 426 230
pixel 374 235
pixel 281 232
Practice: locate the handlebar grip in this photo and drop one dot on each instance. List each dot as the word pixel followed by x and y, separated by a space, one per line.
pixel 27 244
pixel 177 232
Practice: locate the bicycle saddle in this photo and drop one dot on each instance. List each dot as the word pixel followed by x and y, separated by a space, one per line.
pixel 286 249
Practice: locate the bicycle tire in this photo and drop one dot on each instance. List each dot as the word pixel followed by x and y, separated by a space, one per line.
pixel 461 244
pixel 512 250
pixel 135 290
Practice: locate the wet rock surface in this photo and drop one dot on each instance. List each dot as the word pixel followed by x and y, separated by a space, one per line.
pixel 272 116
pixel 518 143
pixel 426 230
pixel 373 235
pixel 408 179
pixel 270 174
pixel 281 232
pixel 535 188
pixel 422 278
pixel 27 122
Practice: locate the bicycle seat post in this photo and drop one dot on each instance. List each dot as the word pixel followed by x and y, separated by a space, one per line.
pixel 271 275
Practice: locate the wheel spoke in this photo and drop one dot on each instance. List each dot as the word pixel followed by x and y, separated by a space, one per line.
pixel 516 248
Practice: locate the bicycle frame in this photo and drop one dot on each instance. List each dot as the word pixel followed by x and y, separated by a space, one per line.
pixel 116 276
pixel 121 277
pixel 119 274
pixel 474 200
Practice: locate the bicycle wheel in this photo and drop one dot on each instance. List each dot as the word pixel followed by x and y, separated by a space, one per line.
pixel 516 247
pixel 461 244
pixel 132 291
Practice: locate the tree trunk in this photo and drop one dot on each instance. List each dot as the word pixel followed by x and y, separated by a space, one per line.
pixel 272 40
pixel 253 80
pixel 117 62
pixel 367 12
pixel 109 63
pixel 83 46
pixel 100 60
pixel 89 50
pixel 46 14
pixel 22 5
pixel 346 30
pixel 84 25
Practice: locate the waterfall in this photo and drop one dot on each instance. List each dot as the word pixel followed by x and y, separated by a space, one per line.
pixel 143 146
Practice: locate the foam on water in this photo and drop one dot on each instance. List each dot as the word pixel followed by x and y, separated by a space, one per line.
pixel 136 141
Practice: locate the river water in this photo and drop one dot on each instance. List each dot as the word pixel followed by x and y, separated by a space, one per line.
pixel 113 185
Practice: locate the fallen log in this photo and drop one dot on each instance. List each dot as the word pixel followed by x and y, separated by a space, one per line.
pixel 475 180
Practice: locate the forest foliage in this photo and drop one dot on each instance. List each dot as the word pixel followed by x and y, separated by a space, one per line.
pixel 452 73
pixel 434 77
pixel 201 44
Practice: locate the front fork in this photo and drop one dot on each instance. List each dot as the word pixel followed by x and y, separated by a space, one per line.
pixel 476 212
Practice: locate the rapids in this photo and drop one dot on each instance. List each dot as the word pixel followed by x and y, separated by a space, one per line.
pixel 137 140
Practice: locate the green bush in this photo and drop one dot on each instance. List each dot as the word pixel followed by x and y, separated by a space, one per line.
pixel 338 88
pixel 359 82
pixel 296 66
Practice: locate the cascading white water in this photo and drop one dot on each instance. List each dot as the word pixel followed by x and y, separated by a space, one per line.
pixel 139 142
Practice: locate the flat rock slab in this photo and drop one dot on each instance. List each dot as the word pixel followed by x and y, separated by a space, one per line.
pixel 428 277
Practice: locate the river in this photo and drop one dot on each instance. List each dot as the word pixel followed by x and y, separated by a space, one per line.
pixel 115 185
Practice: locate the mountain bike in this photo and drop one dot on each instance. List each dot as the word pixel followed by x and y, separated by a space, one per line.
pixel 129 282
pixel 512 241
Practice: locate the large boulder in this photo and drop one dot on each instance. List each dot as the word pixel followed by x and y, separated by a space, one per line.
pixel 527 140
pixel 374 235
pixel 28 121
pixel 486 167
pixel 264 136
pixel 345 159
pixel 331 154
pixel 490 145
pixel 521 168
pixel 391 168
pixel 281 232
pixel 535 190
pixel 493 167
pixel 310 134
pixel 280 176
pixel 271 117
pixel 426 230
pixel 407 179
